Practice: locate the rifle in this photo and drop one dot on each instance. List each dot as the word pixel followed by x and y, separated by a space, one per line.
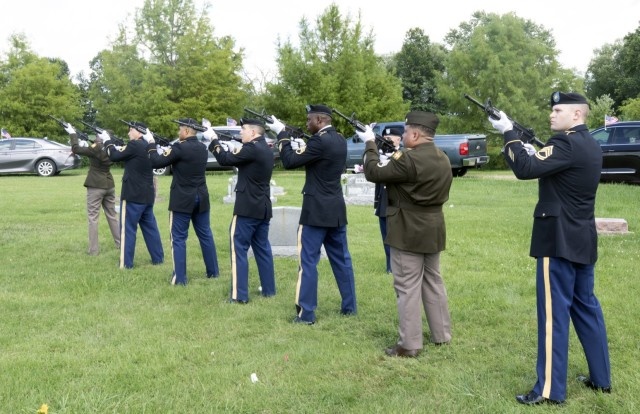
pixel 294 131
pixel 81 135
pixel 524 134
pixel 162 141
pixel 383 145
pixel 98 130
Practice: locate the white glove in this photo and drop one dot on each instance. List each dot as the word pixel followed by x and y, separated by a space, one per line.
pixel 104 136
pixel 83 143
pixel 210 134
pixel 530 149
pixel 70 130
pixel 503 124
pixel 384 158
pixel 297 143
pixel 357 168
pixel 233 145
pixel 276 126
pixel 366 135
pixel 148 136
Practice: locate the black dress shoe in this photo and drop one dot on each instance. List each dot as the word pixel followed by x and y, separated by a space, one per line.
pixel 533 399
pixel 241 302
pixel 297 319
pixel 588 383
pixel 398 351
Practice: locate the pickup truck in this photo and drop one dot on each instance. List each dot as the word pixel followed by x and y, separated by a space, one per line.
pixel 620 144
pixel 464 150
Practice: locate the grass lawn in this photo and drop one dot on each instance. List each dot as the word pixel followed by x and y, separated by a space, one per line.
pixel 82 336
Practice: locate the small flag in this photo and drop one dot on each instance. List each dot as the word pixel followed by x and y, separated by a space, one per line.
pixel 231 122
pixel 5 133
pixel 608 120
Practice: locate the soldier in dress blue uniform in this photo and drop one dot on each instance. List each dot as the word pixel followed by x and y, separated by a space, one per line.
pixel 564 242
pixel 393 134
pixel 189 198
pixel 252 209
pixel 323 220
pixel 137 197
pixel 418 179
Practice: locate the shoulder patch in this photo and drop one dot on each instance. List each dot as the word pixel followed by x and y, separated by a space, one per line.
pixel 167 152
pixel 321 133
pixel 397 155
pixel 544 153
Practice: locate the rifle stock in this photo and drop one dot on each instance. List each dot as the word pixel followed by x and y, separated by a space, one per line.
pixel 524 134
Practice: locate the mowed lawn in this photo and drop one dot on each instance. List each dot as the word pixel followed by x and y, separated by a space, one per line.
pixel 82 336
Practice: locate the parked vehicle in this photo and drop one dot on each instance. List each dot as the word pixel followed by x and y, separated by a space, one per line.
pixel 464 150
pixel 212 163
pixel 620 143
pixel 36 155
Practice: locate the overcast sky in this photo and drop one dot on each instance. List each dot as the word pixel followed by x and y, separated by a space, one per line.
pixel 76 30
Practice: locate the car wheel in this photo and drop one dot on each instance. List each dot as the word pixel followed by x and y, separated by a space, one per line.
pixel 459 172
pixel 162 171
pixel 46 168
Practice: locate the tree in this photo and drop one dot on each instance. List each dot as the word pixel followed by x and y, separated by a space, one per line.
pixel 33 87
pixel 508 59
pixel 171 66
pixel 600 107
pixel 603 72
pixel 335 65
pixel 417 65
pixel 630 109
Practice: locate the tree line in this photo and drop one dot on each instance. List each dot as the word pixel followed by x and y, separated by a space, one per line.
pixel 168 64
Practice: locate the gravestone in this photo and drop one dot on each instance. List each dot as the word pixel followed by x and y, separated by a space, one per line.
pixel 283 232
pixel 612 226
pixel 357 190
pixel 230 198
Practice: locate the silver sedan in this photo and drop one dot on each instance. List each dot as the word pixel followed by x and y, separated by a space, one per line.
pixel 36 155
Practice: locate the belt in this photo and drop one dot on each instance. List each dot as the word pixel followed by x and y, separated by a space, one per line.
pixel 415 207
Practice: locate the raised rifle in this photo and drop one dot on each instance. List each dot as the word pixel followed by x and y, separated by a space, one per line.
pixel 383 145
pixel 98 130
pixel 294 131
pixel 524 134
pixel 81 135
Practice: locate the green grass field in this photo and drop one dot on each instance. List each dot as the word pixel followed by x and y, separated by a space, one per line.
pixel 82 336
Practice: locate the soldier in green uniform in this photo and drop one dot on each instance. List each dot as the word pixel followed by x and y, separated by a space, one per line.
pixel 418 179
pixel 101 189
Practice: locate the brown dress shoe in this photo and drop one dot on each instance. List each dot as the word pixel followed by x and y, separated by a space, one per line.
pixel 398 351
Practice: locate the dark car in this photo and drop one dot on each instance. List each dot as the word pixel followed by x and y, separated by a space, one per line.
pixel 224 133
pixel 36 155
pixel 620 143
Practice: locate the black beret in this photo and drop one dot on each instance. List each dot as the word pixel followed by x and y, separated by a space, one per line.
pixel 249 121
pixel 558 98
pixel 319 109
pixel 426 119
pixel 398 131
pixel 189 122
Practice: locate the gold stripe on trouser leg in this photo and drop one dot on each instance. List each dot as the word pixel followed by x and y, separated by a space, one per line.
pixel 123 225
pixel 548 330
pixel 299 247
pixel 234 269
pixel 173 259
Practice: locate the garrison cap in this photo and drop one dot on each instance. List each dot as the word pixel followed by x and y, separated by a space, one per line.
pixel 558 98
pixel 189 122
pixel 398 131
pixel 319 109
pixel 250 121
pixel 426 119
